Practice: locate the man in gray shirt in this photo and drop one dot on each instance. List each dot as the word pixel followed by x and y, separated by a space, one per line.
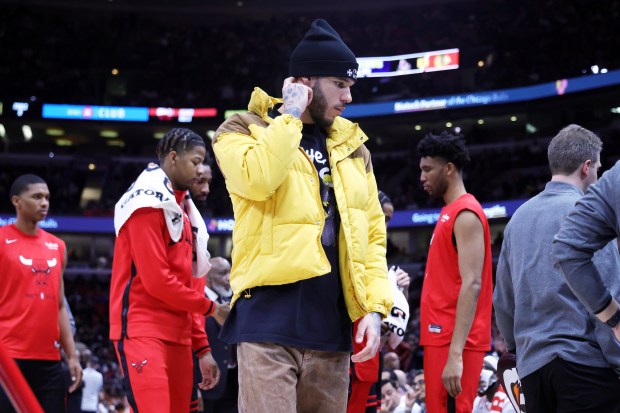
pixel 559 359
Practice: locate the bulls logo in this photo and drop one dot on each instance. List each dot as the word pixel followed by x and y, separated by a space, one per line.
pixel 41 270
pixel 138 366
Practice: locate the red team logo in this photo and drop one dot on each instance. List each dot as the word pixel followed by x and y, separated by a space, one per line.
pixel 138 365
pixel 41 269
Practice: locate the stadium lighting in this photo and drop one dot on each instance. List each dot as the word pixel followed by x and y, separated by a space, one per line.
pixel 63 142
pixel 20 108
pixel 448 124
pixel 529 128
pixel 108 133
pixel 54 132
pixel 210 134
pixel 613 110
pixel 91 166
pixel 116 142
pixel 2 131
pixel 417 127
pixel 159 135
pixel 480 121
pixel 594 69
pixel 27 131
pixel 513 118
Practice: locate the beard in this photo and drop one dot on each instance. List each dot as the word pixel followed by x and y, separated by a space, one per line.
pixel 224 292
pixel 439 190
pixel 318 107
pixel 199 200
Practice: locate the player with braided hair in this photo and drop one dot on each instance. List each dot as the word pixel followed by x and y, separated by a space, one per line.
pixel 155 309
pixel 179 140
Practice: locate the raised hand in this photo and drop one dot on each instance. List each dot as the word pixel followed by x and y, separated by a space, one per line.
pixel 296 96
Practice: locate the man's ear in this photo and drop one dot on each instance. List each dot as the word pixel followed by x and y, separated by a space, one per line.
pixel 171 157
pixel 451 168
pixel 585 167
pixel 306 81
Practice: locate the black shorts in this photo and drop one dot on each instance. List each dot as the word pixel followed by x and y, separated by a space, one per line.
pixel 47 382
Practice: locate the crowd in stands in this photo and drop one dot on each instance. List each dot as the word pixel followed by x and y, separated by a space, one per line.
pixel 501 171
pixel 196 60
pixel 66 56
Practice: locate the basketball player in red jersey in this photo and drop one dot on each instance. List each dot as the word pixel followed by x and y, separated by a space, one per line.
pixel 455 309
pixel 34 323
pixel 152 293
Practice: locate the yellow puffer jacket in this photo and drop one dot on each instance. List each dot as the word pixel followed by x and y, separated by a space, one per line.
pixel 279 217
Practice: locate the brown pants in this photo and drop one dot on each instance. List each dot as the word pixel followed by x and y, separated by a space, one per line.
pixel 281 379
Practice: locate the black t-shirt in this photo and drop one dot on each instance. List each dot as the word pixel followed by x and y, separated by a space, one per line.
pixel 309 314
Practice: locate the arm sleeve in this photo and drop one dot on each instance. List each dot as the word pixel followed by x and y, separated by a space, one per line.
pixel 145 229
pixel 378 289
pixel 587 229
pixel 503 296
pixel 256 165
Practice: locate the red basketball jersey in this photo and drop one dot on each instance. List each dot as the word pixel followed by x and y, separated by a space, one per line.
pixel 29 293
pixel 442 282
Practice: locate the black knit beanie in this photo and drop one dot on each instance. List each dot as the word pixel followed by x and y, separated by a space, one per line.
pixel 322 53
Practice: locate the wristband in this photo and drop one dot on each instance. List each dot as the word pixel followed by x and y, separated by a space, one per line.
pixel 202 350
pixel 614 320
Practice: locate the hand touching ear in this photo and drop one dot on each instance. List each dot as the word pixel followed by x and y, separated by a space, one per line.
pixel 296 95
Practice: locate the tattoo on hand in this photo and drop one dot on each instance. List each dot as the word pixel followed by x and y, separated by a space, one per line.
pixel 291 98
pixel 293 111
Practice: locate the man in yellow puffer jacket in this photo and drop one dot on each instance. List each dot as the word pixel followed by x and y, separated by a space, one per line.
pixel 309 237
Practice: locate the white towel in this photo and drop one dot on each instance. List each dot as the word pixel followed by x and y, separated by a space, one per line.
pixel 153 189
pixel 398 317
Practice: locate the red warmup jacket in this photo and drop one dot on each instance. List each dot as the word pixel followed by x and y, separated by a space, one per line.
pixel 152 291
